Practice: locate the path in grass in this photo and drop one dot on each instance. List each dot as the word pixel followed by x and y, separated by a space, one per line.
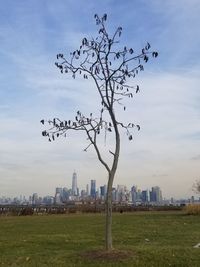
pixel 154 239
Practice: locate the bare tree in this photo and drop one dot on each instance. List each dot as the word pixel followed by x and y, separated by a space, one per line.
pixel 196 187
pixel 110 68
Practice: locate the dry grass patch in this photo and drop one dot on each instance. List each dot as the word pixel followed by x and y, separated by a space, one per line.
pixel 193 209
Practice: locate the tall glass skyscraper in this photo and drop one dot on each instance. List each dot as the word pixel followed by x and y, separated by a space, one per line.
pixel 156 194
pixel 93 188
pixel 74 184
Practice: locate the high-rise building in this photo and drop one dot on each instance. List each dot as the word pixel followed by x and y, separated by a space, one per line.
pixel 48 200
pixel 58 195
pixel 59 190
pixel 35 198
pixel 87 190
pixel 65 194
pixel 103 191
pixel 83 194
pixel 58 198
pixel 74 184
pixel 114 194
pixel 121 193
pixel 145 196
pixel 93 189
pixel 134 194
pixel 156 194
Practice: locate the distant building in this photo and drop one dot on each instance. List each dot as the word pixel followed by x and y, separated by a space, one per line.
pixel 156 195
pixel 74 184
pixel 145 196
pixel 114 193
pixel 121 193
pixel 103 191
pixel 93 189
pixel 83 194
pixel 58 195
pixel 35 199
pixel 48 200
pixel 59 190
pixel 134 194
pixel 87 190
pixel 65 194
pixel 58 198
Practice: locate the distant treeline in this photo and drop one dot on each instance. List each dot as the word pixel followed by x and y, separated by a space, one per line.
pixel 16 210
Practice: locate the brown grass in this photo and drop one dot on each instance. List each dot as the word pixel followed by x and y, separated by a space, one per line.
pixel 193 209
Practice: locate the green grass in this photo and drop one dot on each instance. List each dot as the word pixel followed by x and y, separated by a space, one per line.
pixel 60 240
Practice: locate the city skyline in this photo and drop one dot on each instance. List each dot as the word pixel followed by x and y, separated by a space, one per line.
pixel 92 189
pixel 120 193
pixel 134 196
pixel 164 152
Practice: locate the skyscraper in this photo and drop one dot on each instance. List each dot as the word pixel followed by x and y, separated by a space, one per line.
pixel 93 188
pixel 59 190
pixel 145 196
pixel 35 198
pixel 120 197
pixel 103 192
pixel 134 193
pixel 156 194
pixel 66 194
pixel 58 195
pixel 87 190
pixel 74 184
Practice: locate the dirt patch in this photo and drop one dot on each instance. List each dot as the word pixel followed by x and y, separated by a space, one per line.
pixel 103 255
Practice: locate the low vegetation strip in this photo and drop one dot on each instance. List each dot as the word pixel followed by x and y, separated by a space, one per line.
pixel 193 209
pixel 140 239
pixel 21 210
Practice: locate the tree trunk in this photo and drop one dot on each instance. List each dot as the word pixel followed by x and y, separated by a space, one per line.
pixel 109 214
pixel 111 173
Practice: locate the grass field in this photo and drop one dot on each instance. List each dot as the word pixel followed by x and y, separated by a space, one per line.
pixel 153 239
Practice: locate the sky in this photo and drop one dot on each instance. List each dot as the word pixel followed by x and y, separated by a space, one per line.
pixel 166 152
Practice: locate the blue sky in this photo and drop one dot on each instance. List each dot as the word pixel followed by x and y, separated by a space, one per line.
pixel 166 152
